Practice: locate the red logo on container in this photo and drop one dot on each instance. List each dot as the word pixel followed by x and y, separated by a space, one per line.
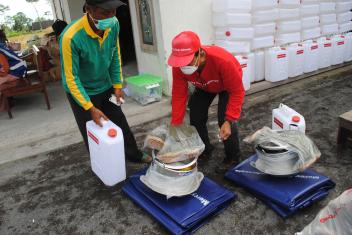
pixel 314 47
pixel 228 33
pixel 299 52
pixel 340 43
pixel 243 65
pixel 327 45
pixel 279 123
pixel 93 137
pixel 281 56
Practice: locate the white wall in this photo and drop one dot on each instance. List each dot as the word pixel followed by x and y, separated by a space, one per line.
pixel 171 18
pixel 76 8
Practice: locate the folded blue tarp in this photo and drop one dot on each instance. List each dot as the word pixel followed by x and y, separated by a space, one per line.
pixel 180 215
pixel 285 195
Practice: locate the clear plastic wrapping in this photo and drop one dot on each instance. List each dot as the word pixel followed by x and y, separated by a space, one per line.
pixel 175 143
pixel 283 152
pixel 335 218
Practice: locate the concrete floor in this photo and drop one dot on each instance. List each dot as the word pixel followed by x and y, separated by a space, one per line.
pixel 34 129
pixel 57 193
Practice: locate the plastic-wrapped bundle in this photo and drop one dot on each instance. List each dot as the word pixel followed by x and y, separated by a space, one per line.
pixel 155 139
pixel 181 143
pixel 284 152
pixel 174 180
pixel 335 218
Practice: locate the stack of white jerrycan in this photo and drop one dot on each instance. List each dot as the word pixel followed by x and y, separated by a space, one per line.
pixel 107 152
pixel 285 118
pixel 310 19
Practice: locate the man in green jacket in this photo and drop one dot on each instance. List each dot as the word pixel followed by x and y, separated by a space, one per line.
pixel 91 70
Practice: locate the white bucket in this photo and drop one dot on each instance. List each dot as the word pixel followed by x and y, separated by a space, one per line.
pixel 325 52
pixel 266 29
pixel 311 56
pixel 327 19
pixel 246 70
pixel 327 7
pixel 289 26
pixel 289 3
pixel 310 22
pixel 263 4
pixel 289 14
pixel 231 19
pixel 234 33
pixel 329 29
pixel 262 42
pixel 346 27
pixel 263 16
pixel 259 65
pixel 343 6
pixel 286 38
pixel 237 47
pixel 239 6
pixel 344 17
pixel 295 60
pixel 276 64
pixel 338 49
pixel 107 153
pixel 311 33
pixel 285 118
pixel 348 51
pixel 310 10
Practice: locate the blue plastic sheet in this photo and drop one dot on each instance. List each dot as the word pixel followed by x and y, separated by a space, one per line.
pixel 180 215
pixel 285 195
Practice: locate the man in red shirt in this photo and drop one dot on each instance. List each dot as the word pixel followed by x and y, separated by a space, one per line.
pixel 213 71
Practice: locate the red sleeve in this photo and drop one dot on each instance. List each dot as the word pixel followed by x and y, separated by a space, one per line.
pixel 179 97
pixel 232 79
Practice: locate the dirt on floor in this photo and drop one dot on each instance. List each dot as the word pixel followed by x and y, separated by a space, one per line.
pixel 57 193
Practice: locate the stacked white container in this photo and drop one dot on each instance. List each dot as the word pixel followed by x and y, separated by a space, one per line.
pixel 325 52
pixel 309 12
pixel 276 64
pixel 311 56
pixel 348 50
pixel 328 21
pixel 288 24
pixel 264 13
pixel 344 15
pixel 338 49
pixel 246 71
pixel 295 59
pixel 232 25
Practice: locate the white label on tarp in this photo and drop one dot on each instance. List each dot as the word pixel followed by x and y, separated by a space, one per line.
pixel 152 86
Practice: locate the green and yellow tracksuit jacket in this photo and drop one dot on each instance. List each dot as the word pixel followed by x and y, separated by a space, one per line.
pixel 90 64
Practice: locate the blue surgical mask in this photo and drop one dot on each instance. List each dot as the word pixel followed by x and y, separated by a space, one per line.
pixel 105 23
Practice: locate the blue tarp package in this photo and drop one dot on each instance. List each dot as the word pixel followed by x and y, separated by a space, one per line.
pixel 180 215
pixel 285 195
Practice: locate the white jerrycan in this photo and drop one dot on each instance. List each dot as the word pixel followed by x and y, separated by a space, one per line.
pixel 107 152
pixel 285 118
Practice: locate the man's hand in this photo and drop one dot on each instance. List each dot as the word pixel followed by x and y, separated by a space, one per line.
pixel 225 131
pixel 97 115
pixel 119 94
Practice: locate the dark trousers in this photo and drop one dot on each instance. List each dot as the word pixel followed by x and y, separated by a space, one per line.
pixel 199 104
pixel 114 113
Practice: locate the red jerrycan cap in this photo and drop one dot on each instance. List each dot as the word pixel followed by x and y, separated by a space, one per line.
pixel 296 118
pixel 112 132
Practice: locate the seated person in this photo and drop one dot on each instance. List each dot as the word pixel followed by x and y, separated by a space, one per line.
pixel 11 66
pixel 11 69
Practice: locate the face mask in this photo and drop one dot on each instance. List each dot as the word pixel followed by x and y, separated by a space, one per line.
pixel 105 23
pixel 189 69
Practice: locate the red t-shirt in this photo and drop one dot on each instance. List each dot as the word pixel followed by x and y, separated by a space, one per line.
pixel 222 72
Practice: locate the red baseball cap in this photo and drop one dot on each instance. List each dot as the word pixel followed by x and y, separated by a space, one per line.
pixel 184 46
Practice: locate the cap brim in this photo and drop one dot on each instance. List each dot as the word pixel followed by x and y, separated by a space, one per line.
pixel 178 61
pixel 113 4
